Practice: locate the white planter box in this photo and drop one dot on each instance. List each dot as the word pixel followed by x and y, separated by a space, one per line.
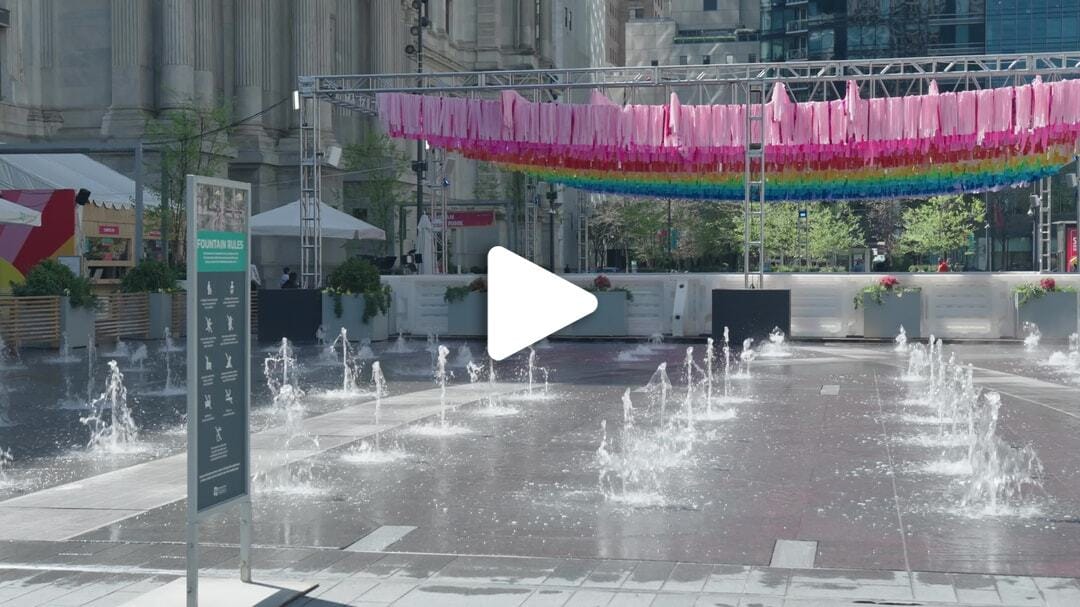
pixel 352 315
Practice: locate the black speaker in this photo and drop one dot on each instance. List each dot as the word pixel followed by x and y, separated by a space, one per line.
pixel 82 196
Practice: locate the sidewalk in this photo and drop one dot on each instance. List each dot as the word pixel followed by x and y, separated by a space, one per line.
pixel 369 579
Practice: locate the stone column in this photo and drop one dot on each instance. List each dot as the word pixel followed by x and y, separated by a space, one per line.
pixel 250 54
pixel 385 18
pixel 177 85
pixel 207 49
pixel 315 41
pixel 132 75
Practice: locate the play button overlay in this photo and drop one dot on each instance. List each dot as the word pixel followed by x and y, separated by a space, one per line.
pixel 526 303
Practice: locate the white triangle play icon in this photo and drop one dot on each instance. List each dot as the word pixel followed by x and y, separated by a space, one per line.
pixel 526 303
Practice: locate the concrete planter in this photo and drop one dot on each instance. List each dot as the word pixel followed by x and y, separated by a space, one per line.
pixel 1054 313
pixel 76 323
pixel 883 321
pixel 467 317
pixel 160 306
pixel 609 319
pixel 352 314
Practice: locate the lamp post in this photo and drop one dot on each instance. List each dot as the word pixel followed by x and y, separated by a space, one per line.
pixel 419 165
pixel 551 196
pixel 1034 204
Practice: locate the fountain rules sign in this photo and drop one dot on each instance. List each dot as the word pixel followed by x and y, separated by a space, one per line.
pixel 219 372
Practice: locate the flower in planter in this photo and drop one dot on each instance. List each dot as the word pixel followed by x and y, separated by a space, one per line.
pixel 602 284
pixel 1031 291
pixel 877 291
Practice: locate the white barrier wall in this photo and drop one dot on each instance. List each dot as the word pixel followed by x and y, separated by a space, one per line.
pixel 955 305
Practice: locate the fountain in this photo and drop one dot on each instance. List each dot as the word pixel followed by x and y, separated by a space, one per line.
pixel 170 345
pixel 351 368
pixel 688 403
pixel 121 349
pixel 777 346
pixel 710 358
pixel 1067 361
pixel 91 358
pixel 433 344
pixel 747 356
pixel 138 358
pixel 115 432
pixel 297 477
pixel 901 340
pixel 656 339
pixel 1032 336
pixel 5 462
pixel 364 352
pixel 464 356
pixel 9 355
pixel 440 378
pixel 64 356
pixel 400 346
pixel 632 465
pixel 1000 473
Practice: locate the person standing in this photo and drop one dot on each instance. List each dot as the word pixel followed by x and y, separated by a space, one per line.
pixel 284 278
pixel 942 265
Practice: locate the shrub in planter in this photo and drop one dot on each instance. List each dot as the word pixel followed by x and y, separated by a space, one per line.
pixel 466 309
pixel 78 304
pixel 158 280
pixel 150 276
pixel 452 294
pixel 359 277
pixel 50 277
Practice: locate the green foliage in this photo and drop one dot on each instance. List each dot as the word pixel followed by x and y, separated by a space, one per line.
pixel 50 277
pixel 452 294
pixel 150 276
pixel 379 163
pixel 1035 290
pixel 939 225
pixel 834 229
pixel 190 140
pixel 359 277
pixel 877 293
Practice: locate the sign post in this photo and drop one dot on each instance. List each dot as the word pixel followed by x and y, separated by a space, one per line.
pixel 219 365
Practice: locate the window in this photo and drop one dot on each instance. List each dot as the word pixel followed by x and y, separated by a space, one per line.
pixel 709 5
pixel 730 59
pixel 654 63
pixel 446 17
pixel 684 59
pixel 637 13
pixel 706 59
pixel 568 18
pixel 752 58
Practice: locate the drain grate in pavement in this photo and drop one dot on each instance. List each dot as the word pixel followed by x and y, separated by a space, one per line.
pixel 380 539
pixel 794 554
pixel 830 390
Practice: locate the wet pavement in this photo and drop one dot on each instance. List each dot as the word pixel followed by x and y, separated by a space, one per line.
pixel 821 451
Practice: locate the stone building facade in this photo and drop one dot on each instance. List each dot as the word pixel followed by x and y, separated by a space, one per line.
pixel 99 70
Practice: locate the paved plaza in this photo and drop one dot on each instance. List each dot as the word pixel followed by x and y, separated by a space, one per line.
pixel 814 477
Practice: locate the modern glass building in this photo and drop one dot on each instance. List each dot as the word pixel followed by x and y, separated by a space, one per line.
pixel 1043 26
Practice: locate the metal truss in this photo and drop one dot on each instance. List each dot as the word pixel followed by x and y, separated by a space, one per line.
pixel 807 79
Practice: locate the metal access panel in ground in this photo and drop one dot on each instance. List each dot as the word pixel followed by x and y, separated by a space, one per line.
pixel 750 313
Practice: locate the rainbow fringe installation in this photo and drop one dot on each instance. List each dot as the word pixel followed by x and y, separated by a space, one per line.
pixel 845 149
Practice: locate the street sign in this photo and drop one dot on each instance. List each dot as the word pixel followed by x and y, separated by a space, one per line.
pixel 218 362
pixel 802 213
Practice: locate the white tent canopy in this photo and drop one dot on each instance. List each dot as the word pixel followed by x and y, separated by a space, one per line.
pixel 285 221
pixel 12 213
pixel 70 171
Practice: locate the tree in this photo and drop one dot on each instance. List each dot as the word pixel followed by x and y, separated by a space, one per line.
pixel 191 140
pixel 941 224
pixel 833 229
pixel 781 230
pixel 378 162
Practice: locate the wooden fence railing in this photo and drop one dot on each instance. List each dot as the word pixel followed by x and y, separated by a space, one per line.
pixel 30 320
pixel 179 314
pixel 123 315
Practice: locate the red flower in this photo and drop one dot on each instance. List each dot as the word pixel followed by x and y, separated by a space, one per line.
pixel 602 283
pixel 888 282
pixel 1048 284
